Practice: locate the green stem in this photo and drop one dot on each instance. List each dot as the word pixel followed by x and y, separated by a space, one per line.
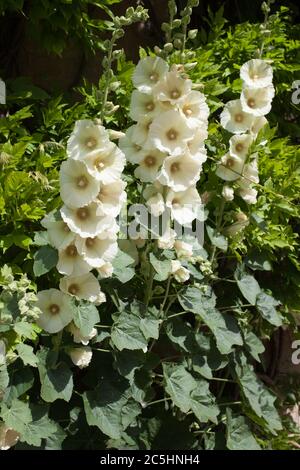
pixel 107 78
pixel 218 225
pixel 158 401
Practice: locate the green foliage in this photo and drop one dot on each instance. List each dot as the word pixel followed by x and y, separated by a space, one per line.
pixel 167 359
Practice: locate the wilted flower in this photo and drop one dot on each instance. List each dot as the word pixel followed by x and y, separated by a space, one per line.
pixel 81 357
pixel 183 249
pixel 228 193
pixel 180 273
pixel 77 186
pixel 78 336
pixel 56 310
pixel 8 437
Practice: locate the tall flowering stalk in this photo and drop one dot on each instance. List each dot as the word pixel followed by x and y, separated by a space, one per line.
pixel 167 145
pixel 84 230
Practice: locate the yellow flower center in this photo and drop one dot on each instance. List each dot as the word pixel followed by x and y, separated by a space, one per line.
pixel 91 143
pixel 175 94
pixel 187 110
pixel 239 117
pixel 82 182
pixel 73 289
pixel 154 77
pixel 99 163
pixel 150 106
pixel 54 309
pixel 83 213
pixel 239 147
pixel 71 251
pixel 229 163
pixel 90 242
pixel 251 102
pixel 172 134
pixel 175 167
pixel 150 161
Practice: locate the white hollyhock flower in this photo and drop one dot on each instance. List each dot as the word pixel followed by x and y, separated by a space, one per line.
pixel 106 165
pixel 96 251
pixel 230 167
pixel 184 205
pixel 256 73
pixel 81 357
pixel 87 221
pixel 106 270
pixel 2 352
pixel 71 263
pixel 149 162
pixel 78 336
pixel 183 249
pixel 172 88
pixel 239 145
pixel 196 145
pixel 257 101
pixel 180 172
pixel 111 197
pixel 180 273
pixel 170 133
pixel 86 137
pixel 59 234
pixel 249 195
pixel 153 194
pixel 85 286
pixel 167 239
pixel 195 109
pixel 8 437
pixel 156 204
pixel 56 310
pixel 228 193
pixel 234 119
pixel 140 131
pixel 130 148
pixel 250 176
pixel 148 73
pixel 143 104
pixel 258 124
pixel 77 185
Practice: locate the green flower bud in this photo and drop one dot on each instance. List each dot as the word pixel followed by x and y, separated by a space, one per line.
pixel 168 47
pixel 177 43
pixel 165 27
pixel 192 34
pixel 176 23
